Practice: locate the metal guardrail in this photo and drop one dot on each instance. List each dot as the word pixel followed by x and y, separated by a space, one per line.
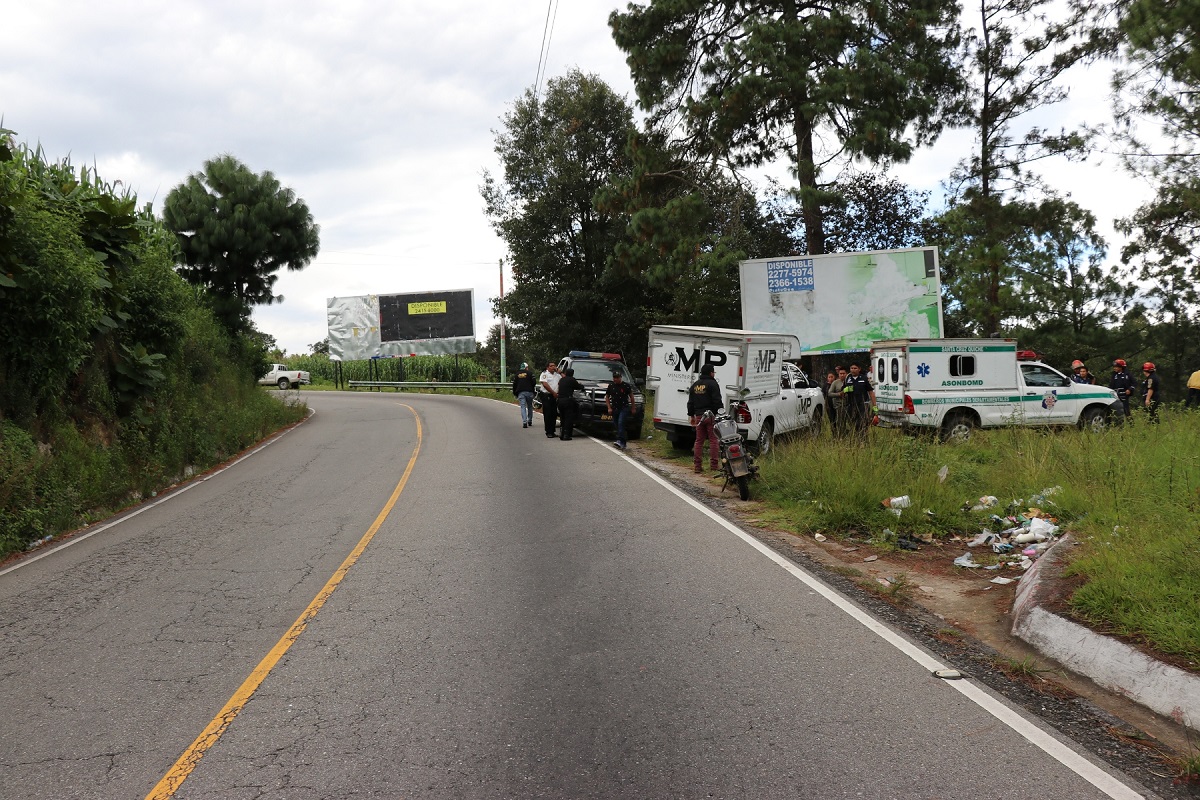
pixel 427 385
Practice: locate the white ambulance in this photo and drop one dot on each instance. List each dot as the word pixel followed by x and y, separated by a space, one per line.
pixel 762 392
pixel 956 385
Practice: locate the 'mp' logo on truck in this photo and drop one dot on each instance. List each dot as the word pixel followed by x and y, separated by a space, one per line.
pixel 765 360
pixel 685 361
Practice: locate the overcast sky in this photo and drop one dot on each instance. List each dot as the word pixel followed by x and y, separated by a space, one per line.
pixel 379 115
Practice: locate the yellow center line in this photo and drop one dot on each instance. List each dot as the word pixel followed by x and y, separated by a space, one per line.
pixel 187 762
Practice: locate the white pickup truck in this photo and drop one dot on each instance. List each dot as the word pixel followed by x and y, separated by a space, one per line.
pixel 762 392
pixel 956 385
pixel 283 377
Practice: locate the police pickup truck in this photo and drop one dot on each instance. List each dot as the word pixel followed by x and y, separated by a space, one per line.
pixel 953 386
pixel 594 372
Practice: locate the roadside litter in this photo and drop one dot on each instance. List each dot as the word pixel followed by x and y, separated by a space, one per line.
pixel 1018 538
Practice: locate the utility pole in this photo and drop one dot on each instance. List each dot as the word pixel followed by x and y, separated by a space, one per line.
pixel 503 336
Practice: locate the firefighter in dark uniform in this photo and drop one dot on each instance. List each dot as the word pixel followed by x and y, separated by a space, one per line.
pixel 1123 384
pixel 858 400
pixel 705 395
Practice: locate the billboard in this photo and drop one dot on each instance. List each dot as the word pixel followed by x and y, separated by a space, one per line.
pixel 420 324
pixel 842 302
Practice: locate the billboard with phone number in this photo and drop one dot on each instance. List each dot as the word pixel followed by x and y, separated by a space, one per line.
pixel 842 302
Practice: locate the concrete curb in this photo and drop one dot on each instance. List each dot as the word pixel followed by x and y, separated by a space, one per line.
pixel 1112 664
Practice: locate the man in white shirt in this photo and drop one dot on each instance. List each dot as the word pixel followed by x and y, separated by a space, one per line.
pixel 548 380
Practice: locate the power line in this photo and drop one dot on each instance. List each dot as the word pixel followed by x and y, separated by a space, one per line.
pixel 544 53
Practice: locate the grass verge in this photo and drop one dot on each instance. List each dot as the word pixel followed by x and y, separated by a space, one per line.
pixel 1129 496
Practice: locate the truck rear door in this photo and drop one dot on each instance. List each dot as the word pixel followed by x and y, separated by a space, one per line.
pixel 671 369
pixel 889 369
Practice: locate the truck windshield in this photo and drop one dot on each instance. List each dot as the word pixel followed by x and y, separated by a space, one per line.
pixel 600 371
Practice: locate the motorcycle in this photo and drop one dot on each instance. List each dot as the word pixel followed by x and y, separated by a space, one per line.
pixel 737 465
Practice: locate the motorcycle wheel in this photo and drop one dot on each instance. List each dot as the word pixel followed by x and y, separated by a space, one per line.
pixel 744 487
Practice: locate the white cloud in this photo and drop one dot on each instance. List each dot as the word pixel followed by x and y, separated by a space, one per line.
pixel 379 115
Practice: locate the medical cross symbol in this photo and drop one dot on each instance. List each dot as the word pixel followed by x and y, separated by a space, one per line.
pixel 923 370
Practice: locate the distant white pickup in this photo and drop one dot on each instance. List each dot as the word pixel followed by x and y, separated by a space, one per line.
pixel 283 377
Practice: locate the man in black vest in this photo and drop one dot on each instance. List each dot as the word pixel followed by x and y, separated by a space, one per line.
pixel 858 400
pixel 705 395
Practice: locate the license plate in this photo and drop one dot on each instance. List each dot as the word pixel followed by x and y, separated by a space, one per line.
pixel 606 416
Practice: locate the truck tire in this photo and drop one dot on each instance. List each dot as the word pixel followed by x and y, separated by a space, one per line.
pixel 284 384
pixel 744 487
pixel 818 421
pixel 682 440
pixel 766 438
pixel 958 427
pixel 633 434
pixel 1094 419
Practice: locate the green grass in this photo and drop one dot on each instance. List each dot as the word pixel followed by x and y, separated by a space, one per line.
pixel 1129 496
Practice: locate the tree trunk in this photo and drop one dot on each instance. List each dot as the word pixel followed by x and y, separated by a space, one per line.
pixel 806 167
pixel 806 173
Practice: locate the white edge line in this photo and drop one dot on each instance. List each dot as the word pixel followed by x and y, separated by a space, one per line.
pixel 1052 746
pixel 146 507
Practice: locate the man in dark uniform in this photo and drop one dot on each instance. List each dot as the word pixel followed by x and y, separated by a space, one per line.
pixel 1151 390
pixel 619 399
pixel 1123 384
pixel 705 395
pixel 567 405
pixel 858 399
pixel 523 390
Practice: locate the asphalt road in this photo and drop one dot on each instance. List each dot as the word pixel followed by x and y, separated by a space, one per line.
pixel 528 618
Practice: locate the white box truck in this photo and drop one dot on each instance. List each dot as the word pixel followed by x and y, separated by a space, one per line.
pixel 764 393
pixel 956 385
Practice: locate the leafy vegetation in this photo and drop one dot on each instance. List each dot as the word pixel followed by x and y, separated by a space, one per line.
pixel 236 230
pixel 115 378
pixel 749 81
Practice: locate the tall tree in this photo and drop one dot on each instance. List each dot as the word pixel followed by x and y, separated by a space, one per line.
pixel 755 79
pixel 556 153
pixel 1077 299
pixel 871 212
pixel 236 230
pixel 1016 57
pixel 689 224
pixel 1157 111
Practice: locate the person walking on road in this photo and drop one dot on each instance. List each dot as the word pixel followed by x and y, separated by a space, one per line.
pixel 522 389
pixel 1151 390
pixel 858 400
pixel 1123 384
pixel 1193 387
pixel 567 406
pixel 705 395
pixel 549 382
pixel 619 399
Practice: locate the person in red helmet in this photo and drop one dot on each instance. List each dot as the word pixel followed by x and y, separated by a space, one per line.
pixel 1151 390
pixel 1123 384
pixel 1080 373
